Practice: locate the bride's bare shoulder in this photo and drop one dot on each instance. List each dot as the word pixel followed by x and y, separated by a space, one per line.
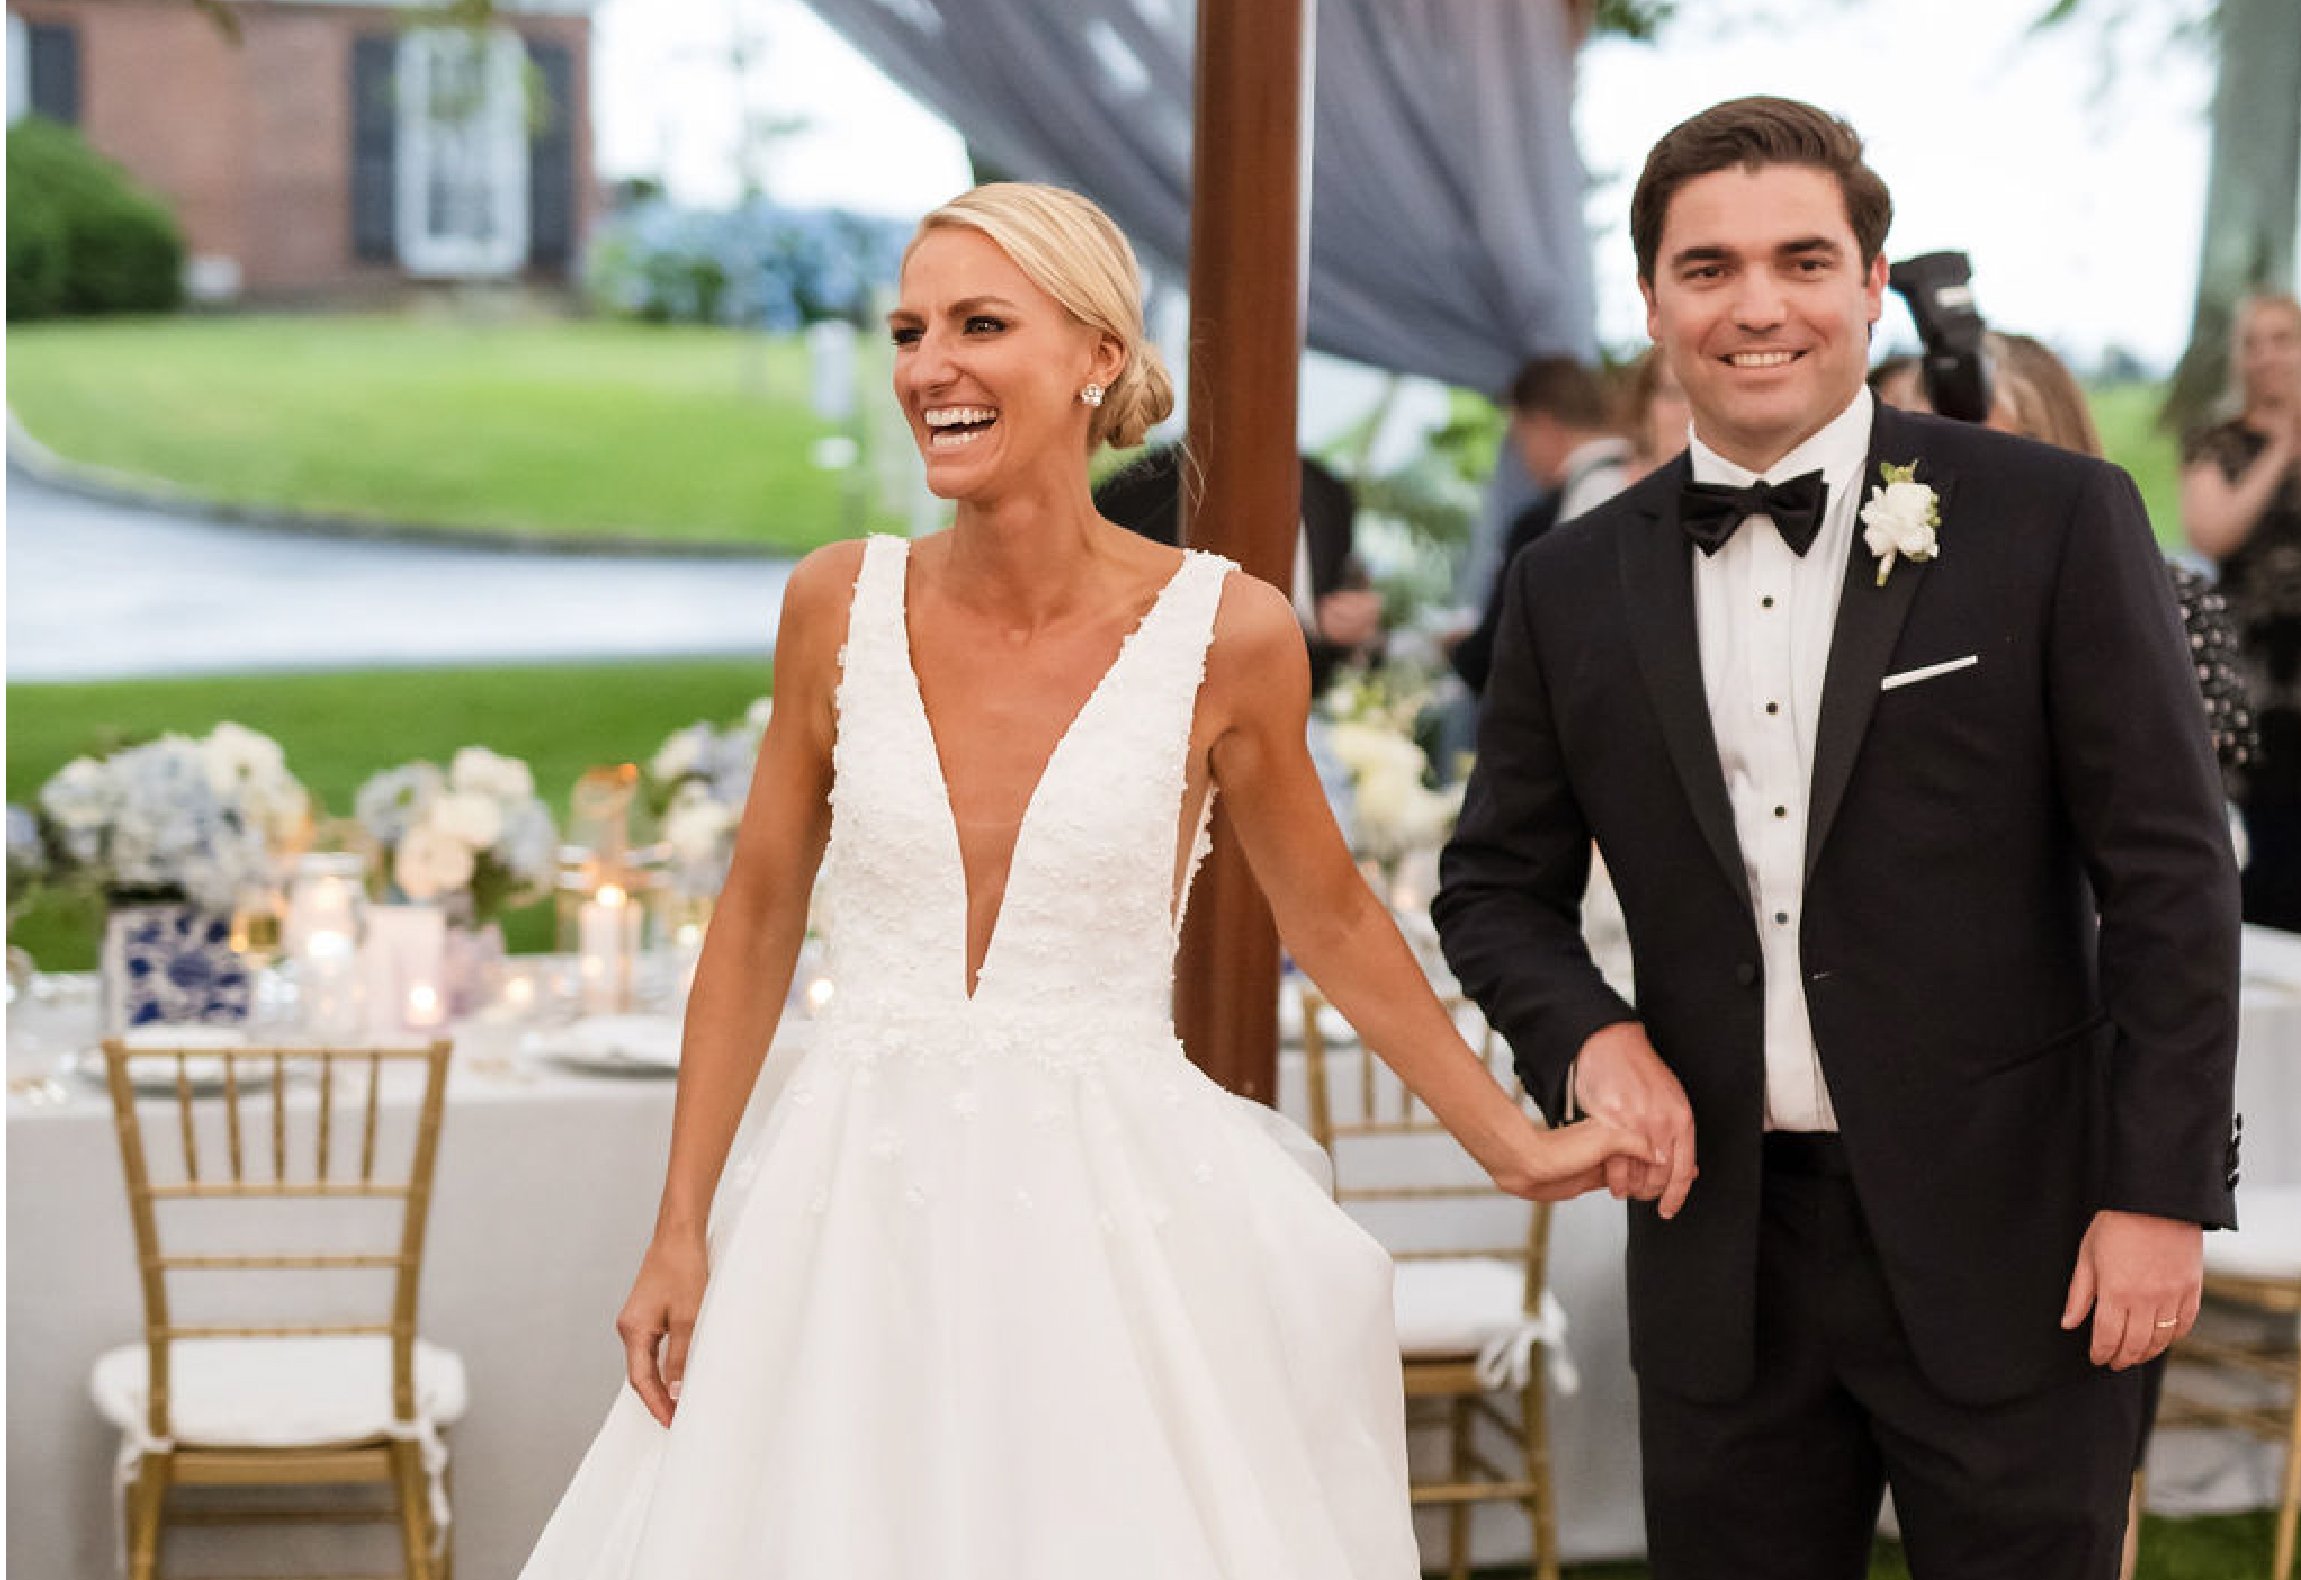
pixel 1258 643
pixel 815 605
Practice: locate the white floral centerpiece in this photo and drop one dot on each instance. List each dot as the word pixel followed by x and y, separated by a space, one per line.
pixel 697 782
pixel 1395 811
pixel 202 818
pixel 171 831
pixel 475 839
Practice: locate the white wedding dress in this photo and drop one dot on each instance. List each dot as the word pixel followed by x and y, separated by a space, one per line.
pixel 1007 1289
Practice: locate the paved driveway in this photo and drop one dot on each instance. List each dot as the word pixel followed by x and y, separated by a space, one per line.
pixel 99 591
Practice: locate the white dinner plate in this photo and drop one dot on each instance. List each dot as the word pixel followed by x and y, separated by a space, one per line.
pixel 611 1044
pixel 204 1072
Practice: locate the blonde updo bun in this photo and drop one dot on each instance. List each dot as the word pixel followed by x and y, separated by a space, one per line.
pixel 1070 249
pixel 1142 398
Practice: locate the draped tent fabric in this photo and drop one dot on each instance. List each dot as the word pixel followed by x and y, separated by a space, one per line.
pixel 1446 233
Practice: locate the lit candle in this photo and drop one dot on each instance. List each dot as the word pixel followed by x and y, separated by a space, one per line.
pixel 607 936
pixel 424 1009
pixel 329 982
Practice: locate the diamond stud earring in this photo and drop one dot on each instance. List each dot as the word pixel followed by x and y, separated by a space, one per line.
pixel 1092 395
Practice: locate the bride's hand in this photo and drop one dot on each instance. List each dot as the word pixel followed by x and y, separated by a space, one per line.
pixel 1555 1165
pixel 659 1318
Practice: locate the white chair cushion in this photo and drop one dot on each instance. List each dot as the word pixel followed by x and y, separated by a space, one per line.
pixel 1457 1306
pixel 278 1393
pixel 2267 1243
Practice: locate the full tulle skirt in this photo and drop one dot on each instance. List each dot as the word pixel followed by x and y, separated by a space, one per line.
pixel 1012 1316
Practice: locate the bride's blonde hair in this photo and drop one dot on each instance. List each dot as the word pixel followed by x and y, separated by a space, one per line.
pixel 1070 249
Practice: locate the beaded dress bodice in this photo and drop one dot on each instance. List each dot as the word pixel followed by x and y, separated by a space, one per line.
pixel 1086 929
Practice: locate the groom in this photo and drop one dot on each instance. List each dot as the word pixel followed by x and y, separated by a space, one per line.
pixel 1914 820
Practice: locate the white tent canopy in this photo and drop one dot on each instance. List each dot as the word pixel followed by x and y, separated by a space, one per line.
pixel 1446 232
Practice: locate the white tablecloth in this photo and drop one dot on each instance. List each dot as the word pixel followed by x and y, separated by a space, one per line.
pixel 546 1192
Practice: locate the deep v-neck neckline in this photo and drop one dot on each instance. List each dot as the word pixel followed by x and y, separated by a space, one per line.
pixel 971 972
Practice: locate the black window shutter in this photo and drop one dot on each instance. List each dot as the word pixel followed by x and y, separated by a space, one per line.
pixel 375 138
pixel 551 158
pixel 55 63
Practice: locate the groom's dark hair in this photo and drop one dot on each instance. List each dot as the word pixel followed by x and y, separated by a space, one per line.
pixel 1750 134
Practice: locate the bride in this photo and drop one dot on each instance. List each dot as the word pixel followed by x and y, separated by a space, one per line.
pixel 1007 1289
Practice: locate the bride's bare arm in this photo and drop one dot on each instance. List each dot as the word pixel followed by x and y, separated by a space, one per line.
pixel 1258 697
pixel 745 970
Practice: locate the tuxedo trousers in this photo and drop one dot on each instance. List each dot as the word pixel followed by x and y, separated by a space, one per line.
pixel 1786 1481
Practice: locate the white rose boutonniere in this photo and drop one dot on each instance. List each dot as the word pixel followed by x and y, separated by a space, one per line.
pixel 1901 518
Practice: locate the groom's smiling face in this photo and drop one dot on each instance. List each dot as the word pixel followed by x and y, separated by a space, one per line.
pixel 1763 304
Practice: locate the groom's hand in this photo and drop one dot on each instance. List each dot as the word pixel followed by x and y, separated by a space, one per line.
pixel 1619 1077
pixel 2142 1278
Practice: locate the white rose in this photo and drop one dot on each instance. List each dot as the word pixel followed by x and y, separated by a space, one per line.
pixel 235 755
pixel 431 862
pixel 678 757
pixel 82 796
pixel 484 773
pixel 1381 806
pixel 1899 519
pixel 1372 749
pixel 694 826
pixel 1429 816
pixel 475 819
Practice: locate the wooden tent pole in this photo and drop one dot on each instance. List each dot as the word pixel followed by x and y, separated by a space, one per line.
pixel 1249 166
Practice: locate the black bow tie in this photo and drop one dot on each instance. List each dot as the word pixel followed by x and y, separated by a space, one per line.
pixel 1711 511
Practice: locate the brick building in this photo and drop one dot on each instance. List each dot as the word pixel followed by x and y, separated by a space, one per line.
pixel 329 150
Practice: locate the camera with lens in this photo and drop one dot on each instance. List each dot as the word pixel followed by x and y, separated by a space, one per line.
pixel 1938 287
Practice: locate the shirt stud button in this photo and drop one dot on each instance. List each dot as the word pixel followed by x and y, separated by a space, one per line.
pixel 1782 918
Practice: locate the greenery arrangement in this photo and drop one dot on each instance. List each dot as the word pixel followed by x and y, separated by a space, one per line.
pixel 82 238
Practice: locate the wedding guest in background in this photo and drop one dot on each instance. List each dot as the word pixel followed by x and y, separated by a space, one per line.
pixel 1654 414
pixel 1921 850
pixel 1899 381
pixel 1562 430
pixel 2241 508
pixel 2037 397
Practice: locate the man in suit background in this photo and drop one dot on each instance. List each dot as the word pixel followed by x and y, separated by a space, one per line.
pixel 1920 846
pixel 1561 429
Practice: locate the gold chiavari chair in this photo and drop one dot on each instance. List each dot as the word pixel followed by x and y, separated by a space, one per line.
pixel 1474 1329
pixel 291 1362
pixel 2254 1386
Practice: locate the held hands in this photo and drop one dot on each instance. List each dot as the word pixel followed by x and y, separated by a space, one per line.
pixel 2142 1278
pixel 661 1311
pixel 1619 1078
pixel 1557 1165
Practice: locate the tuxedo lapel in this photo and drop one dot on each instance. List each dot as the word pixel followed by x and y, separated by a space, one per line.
pixel 1870 620
pixel 1658 593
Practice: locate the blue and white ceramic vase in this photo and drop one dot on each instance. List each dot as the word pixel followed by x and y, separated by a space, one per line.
pixel 169 962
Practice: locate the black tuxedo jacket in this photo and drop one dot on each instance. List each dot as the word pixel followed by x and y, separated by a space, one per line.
pixel 2020 931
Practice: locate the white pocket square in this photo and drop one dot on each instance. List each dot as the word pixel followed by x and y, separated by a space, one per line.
pixel 1910 677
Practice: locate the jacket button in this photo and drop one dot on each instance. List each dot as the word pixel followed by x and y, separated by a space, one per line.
pixel 1746 974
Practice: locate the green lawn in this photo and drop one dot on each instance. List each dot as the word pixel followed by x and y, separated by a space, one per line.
pixel 2127 417
pixel 571 428
pixel 338 728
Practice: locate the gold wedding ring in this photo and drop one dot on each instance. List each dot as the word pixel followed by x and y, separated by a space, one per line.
pixel 2168 1322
